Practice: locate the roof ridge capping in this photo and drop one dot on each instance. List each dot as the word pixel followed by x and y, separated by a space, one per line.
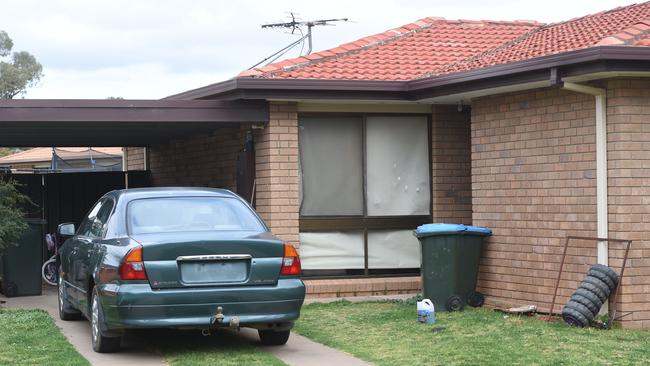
pixel 344 49
pixel 369 42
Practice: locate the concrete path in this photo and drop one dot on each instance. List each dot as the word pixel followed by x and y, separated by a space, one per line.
pixel 299 351
pixel 78 333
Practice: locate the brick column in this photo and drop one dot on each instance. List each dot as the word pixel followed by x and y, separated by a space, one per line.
pixel 134 158
pixel 276 155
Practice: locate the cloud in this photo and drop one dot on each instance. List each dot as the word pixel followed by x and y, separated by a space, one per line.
pixel 141 81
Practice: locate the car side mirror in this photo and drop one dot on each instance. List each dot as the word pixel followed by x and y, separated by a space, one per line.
pixel 66 229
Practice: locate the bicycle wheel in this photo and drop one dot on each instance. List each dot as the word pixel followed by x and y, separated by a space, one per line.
pixel 50 273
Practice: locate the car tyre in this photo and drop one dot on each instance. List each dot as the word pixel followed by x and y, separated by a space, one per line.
pixel 593 308
pixel 66 310
pixel 603 277
pixel 590 296
pixel 602 286
pixel 582 309
pixel 606 270
pixel 100 342
pixel 574 318
pixel 274 338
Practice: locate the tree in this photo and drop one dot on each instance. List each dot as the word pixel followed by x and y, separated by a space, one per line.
pixel 18 71
pixel 12 213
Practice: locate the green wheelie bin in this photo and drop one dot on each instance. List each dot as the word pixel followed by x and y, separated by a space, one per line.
pixel 21 264
pixel 450 260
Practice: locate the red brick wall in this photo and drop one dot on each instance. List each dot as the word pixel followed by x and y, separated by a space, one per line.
pixel 628 113
pixel 533 183
pixel 276 155
pixel 135 158
pixel 207 160
pixel 451 184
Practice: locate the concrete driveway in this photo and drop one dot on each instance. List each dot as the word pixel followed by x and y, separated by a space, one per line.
pixel 137 350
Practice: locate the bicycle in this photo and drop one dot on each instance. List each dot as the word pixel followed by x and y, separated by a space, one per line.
pixel 49 270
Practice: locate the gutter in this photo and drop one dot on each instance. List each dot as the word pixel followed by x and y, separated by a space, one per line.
pixel 587 60
pixel 601 164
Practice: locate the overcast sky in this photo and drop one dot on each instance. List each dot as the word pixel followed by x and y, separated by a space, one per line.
pixel 153 48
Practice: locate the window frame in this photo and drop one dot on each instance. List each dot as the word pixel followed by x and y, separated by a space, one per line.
pixel 365 223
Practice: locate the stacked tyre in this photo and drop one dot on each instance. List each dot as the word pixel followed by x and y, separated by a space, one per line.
pixel 586 301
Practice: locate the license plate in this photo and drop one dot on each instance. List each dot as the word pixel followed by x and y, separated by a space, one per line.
pixel 214 271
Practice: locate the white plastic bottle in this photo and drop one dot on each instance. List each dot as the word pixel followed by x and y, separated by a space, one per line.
pixel 426 312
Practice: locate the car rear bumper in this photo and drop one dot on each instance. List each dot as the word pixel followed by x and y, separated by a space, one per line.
pixel 138 306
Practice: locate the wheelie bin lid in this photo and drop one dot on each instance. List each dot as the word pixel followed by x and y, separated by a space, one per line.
pixel 450 229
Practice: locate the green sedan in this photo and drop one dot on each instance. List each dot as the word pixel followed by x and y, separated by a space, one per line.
pixel 186 258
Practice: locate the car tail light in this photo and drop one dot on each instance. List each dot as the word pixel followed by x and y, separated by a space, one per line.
pixel 290 261
pixel 132 267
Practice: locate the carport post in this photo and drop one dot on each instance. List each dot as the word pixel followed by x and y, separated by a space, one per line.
pixel 125 168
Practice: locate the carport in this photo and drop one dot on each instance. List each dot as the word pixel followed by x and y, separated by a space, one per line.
pixel 118 122
pixel 137 126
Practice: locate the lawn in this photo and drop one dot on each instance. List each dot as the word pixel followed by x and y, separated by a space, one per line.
pixel 184 348
pixel 30 337
pixel 386 333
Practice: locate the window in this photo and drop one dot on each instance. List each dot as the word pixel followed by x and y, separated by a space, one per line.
pixel 94 225
pixel 365 185
pixel 331 167
pixel 397 154
pixel 163 215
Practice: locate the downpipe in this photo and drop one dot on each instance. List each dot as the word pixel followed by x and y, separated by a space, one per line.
pixel 600 95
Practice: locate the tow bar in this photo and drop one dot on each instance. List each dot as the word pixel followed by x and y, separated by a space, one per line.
pixel 218 320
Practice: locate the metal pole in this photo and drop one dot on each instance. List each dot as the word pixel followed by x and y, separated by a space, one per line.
pixel 557 282
pixel 618 288
pixel 309 37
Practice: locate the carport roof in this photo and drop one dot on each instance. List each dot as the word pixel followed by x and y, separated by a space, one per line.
pixel 46 122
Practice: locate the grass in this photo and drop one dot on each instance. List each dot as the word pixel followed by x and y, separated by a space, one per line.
pixel 386 333
pixel 30 337
pixel 185 348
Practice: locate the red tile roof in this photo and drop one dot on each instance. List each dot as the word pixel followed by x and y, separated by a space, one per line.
pixel 624 26
pixel 402 53
pixel 435 46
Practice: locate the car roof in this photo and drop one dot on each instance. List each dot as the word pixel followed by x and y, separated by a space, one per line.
pixel 153 192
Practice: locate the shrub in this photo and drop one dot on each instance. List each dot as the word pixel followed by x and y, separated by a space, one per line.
pixel 12 213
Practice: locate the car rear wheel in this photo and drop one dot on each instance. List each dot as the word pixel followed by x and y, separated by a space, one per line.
pixel 101 343
pixel 66 311
pixel 274 338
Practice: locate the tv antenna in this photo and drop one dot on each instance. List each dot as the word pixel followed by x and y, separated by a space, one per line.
pixel 297 25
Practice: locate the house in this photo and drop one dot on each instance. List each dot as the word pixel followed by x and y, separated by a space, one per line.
pixel 71 159
pixel 538 131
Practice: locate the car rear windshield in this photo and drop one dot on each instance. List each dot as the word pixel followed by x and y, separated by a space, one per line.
pixel 163 215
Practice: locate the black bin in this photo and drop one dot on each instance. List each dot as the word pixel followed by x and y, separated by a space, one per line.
pixel 450 260
pixel 21 264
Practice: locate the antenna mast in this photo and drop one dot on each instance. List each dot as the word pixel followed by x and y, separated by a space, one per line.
pixel 296 24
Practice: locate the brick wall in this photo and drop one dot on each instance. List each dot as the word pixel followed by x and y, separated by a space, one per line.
pixel 533 183
pixel 276 155
pixel 134 158
pixel 207 160
pixel 451 184
pixel 628 113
